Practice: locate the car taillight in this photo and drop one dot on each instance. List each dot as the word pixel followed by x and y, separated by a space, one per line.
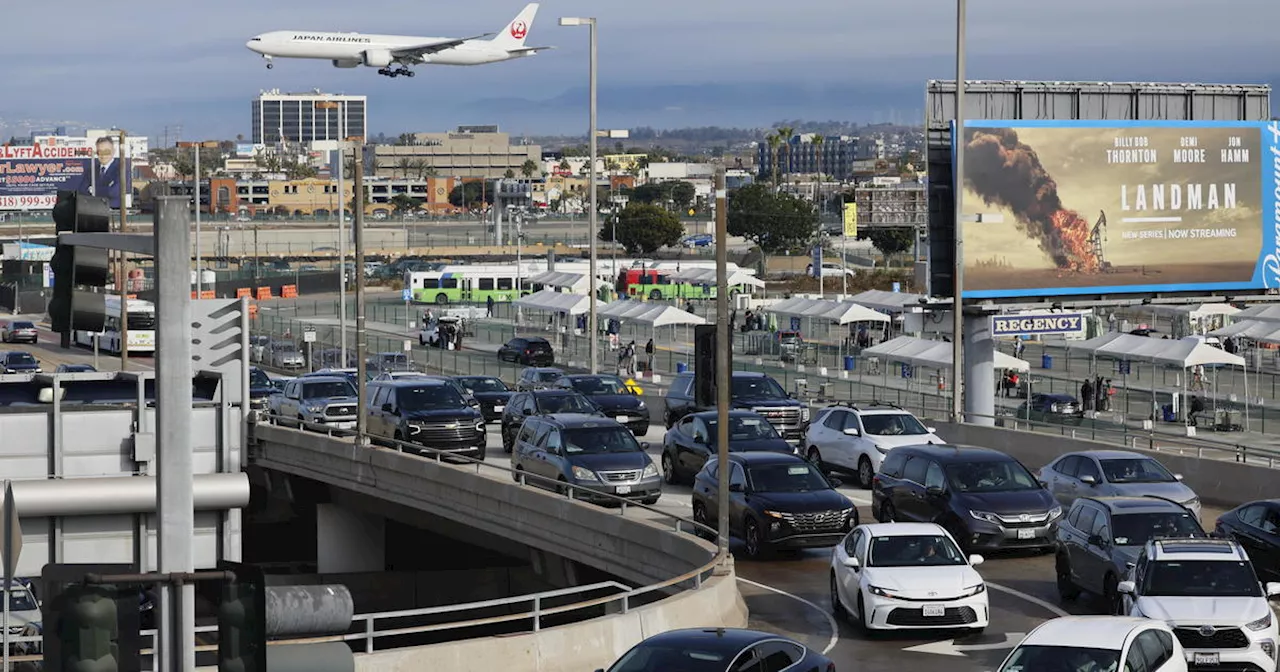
pixel 831 667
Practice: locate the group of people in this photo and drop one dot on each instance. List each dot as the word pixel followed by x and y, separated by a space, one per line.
pixel 1095 394
pixel 627 358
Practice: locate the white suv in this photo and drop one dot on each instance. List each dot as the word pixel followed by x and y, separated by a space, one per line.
pixel 1207 591
pixel 854 438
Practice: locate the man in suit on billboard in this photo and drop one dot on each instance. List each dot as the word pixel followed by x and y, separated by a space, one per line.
pixel 103 177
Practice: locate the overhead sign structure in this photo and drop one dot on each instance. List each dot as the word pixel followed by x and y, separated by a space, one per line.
pixel 1037 324
pixel 1058 208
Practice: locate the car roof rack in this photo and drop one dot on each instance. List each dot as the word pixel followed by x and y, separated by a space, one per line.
pixel 859 405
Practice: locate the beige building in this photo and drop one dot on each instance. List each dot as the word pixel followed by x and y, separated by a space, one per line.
pixel 467 152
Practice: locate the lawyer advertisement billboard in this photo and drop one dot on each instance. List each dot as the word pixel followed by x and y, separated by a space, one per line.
pixel 1059 208
pixel 31 175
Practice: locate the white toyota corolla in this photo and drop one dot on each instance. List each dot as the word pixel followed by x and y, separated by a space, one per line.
pixel 898 576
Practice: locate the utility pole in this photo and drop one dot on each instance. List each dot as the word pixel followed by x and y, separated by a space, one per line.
pixel 198 255
pixel 342 235
pixel 957 303
pixel 724 344
pixel 121 276
pixel 361 345
pixel 591 218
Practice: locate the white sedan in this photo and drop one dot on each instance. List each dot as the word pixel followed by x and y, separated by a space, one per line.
pixel 1099 644
pixel 902 576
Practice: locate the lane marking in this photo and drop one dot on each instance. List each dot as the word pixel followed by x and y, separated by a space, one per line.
pixel 831 620
pixel 1051 608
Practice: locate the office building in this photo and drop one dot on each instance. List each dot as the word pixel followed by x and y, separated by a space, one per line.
pixel 307 117
pixel 834 157
pixel 468 152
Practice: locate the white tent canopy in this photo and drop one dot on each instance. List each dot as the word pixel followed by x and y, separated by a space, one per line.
pixel 555 302
pixel 933 354
pixel 574 282
pixel 1250 329
pixel 1183 353
pixel 1196 311
pixel 652 314
pixel 707 276
pixel 840 312
pixel 893 302
pixel 1269 312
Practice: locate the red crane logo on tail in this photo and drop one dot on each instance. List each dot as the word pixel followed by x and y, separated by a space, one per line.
pixel 519 29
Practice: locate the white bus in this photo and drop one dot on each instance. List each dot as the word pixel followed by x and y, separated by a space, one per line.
pixel 476 283
pixel 142 327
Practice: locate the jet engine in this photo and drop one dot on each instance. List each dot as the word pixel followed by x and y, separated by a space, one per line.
pixel 339 63
pixel 377 58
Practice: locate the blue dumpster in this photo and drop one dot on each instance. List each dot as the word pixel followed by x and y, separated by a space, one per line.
pixel 849 362
pixel 1046 361
pixel 681 367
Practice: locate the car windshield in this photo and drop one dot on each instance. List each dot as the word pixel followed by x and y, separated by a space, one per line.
pixel 1136 470
pixel 600 385
pixel 1003 476
pixel 484 384
pixel 651 657
pixel 786 477
pixel 1201 578
pixel 565 403
pixel 1033 658
pixel 287 348
pixel 538 346
pixel 548 376
pixel 750 387
pixel 396 362
pixel 21 358
pixel 328 390
pixel 892 424
pixel 744 428
pixel 21 600
pixel 595 440
pixel 924 550
pixel 429 397
pixel 259 378
pixel 1136 529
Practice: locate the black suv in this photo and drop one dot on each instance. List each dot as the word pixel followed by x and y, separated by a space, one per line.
pixel 426 411
pixel 491 392
pixel 1101 537
pixel 19 362
pixel 612 395
pixel 528 350
pixel 752 391
pixel 541 402
pixel 538 378
pixel 260 389
pixel 984 498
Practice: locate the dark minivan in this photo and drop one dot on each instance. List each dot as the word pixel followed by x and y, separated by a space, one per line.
pixel 984 498
pixel 528 350
pixel 594 454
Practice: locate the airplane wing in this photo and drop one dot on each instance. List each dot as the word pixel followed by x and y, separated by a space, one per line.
pixel 528 50
pixel 419 50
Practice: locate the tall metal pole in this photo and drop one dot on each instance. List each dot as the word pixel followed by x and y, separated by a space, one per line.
pixel 173 418
pixel 591 217
pixel 121 276
pixel 361 345
pixel 844 252
pixel 198 255
pixel 342 235
pixel 724 344
pixel 957 304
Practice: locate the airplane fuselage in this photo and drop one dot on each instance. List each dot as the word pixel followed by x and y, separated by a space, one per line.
pixel 365 49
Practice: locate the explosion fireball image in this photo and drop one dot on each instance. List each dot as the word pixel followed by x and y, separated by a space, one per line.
pixel 1006 172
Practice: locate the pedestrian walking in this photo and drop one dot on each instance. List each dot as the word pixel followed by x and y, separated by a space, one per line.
pixel 488 304
pixel 648 351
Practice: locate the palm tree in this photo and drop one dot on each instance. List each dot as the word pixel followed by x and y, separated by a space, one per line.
pixel 418 166
pixel 773 140
pixel 817 177
pixel 785 134
pixel 404 165
pixel 528 168
pixel 564 164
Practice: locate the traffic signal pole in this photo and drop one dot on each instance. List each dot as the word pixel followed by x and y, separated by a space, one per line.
pixel 121 276
pixel 724 344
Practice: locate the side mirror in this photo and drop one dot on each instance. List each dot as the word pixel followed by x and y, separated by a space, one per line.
pixel 976 560
pixel 1097 540
pixel 852 563
pixel 835 482
pixel 1273 589
pixel 852 431
pixel 1130 565
pixel 1089 480
pixel 935 491
pixel 736 487
pixel 386 408
pixel 931 430
pixel 527 411
pixel 699 438
pixel 1126 587
pixel 1177 477
pixel 644 445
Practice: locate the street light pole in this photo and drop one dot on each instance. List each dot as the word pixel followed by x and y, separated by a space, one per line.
pixel 358 229
pixel 592 327
pixel 198 273
pixel 957 304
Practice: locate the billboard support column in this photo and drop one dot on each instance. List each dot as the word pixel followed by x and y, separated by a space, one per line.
pixel 957 305
pixel 979 370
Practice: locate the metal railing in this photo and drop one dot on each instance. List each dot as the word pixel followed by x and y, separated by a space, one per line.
pixel 626 596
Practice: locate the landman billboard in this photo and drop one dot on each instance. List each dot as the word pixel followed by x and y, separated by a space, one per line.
pixel 1055 208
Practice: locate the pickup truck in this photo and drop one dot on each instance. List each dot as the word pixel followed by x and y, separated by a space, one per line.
pixel 316 402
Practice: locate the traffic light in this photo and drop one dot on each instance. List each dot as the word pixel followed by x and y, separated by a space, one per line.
pixel 89 628
pixel 704 365
pixel 74 265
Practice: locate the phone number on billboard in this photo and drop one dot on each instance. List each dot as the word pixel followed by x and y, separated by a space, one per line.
pixel 36 202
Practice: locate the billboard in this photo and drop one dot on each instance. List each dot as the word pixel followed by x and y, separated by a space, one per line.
pixel 31 175
pixel 1059 208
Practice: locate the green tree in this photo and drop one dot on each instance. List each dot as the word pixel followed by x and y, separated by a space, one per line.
pixel 563 165
pixel 682 194
pixel 469 194
pixel 405 203
pixel 773 141
pixel 528 168
pixel 644 228
pixel 773 221
pixel 509 174
pixel 890 241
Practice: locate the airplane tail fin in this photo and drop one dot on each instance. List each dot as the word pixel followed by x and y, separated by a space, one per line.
pixel 512 37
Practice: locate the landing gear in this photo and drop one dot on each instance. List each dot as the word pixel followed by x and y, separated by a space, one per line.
pixel 388 72
pixel 269 63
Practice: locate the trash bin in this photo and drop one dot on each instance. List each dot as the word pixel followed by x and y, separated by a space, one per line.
pixel 1046 361
pixel 849 363
pixel 681 367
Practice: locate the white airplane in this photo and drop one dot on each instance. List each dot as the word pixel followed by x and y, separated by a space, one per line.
pixel 393 54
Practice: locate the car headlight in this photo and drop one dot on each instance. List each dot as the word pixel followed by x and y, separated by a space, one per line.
pixel 315 409
pixel 884 450
pixel 772 514
pixel 974 590
pixel 985 516
pixel 1192 503
pixel 479 425
pixel 641 406
pixel 650 471
pixel 1055 513
pixel 584 474
pixel 804 414
pixel 1260 624
pixel 876 590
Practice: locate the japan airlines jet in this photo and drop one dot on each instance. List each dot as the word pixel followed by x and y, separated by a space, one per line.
pixel 393 54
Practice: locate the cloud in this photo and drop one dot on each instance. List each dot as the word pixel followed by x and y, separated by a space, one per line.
pixel 137 59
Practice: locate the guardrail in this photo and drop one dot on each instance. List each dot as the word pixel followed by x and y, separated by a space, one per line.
pixel 536 612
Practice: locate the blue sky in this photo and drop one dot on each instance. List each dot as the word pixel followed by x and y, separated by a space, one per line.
pixel 664 63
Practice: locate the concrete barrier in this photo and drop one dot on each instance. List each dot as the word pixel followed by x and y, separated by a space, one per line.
pixel 1218 482
pixel 578 647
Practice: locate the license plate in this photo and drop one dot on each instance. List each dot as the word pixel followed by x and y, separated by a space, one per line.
pixel 499 409
pixel 933 610
pixel 1026 534
pixel 622 418
pixel 1204 659
pixel 624 490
